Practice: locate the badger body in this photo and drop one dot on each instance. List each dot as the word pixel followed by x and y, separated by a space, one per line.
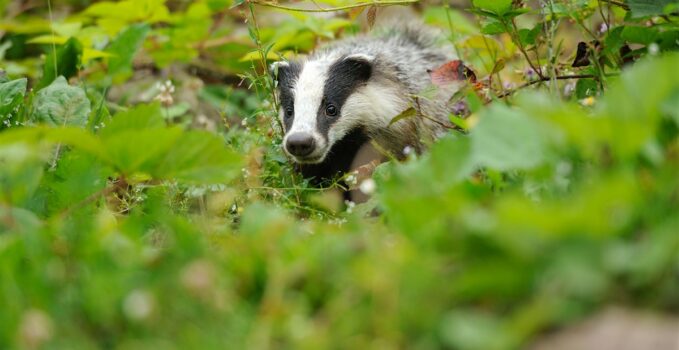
pixel 349 92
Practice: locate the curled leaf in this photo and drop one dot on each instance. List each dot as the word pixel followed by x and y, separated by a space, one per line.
pixel 451 72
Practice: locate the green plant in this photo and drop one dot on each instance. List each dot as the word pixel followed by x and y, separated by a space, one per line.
pixel 145 201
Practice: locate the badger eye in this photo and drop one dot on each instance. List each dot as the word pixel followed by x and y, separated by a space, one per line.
pixel 289 112
pixel 330 110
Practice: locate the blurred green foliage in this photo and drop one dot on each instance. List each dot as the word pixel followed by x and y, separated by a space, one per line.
pixel 145 201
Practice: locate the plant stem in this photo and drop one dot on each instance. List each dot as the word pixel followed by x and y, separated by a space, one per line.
pixel 334 9
pixel 562 77
pixel 617 3
pixel 514 34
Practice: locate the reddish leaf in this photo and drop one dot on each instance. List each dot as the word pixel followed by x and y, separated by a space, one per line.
pixel 451 72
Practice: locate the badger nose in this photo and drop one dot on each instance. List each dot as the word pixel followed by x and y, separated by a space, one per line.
pixel 300 144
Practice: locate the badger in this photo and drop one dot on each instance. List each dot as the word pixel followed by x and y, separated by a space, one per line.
pixel 349 92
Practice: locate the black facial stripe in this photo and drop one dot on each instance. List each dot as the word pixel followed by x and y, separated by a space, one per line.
pixel 344 77
pixel 287 75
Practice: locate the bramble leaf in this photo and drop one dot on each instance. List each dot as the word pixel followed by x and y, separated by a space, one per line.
pixel 61 104
pixel 499 7
pixel 507 139
pixel 645 8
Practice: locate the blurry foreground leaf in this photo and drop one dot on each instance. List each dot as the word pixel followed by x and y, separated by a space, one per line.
pixel 11 94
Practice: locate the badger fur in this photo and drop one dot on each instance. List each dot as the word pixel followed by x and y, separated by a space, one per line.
pixel 348 93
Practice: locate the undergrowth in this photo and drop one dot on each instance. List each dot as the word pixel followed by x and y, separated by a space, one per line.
pixel 145 200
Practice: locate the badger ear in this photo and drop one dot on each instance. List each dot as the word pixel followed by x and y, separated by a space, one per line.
pixel 278 69
pixel 360 64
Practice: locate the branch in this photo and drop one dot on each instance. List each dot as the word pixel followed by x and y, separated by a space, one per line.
pixel 334 9
pixel 540 80
pixel 617 3
pixel 517 40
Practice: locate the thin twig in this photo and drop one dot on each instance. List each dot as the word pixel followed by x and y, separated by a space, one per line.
pixel 513 33
pixel 334 9
pixel 541 80
pixel 109 188
pixel 617 3
pixel 603 17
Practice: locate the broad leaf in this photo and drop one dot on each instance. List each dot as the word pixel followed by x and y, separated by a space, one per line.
pixel 136 118
pixel 21 168
pixel 199 157
pixel 11 94
pixel 131 151
pixel 61 104
pixel 123 49
pixel 507 139
pixel 644 8
pixel 499 7
pixel 62 62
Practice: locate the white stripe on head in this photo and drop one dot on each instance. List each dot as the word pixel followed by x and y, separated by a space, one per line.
pixel 309 95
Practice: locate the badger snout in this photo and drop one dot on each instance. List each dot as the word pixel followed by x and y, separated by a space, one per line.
pixel 300 144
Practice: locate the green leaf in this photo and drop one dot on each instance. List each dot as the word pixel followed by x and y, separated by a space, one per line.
pixel 640 35
pixel 528 36
pixel 21 168
pixel 493 28
pixel 18 220
pixel 465 329
pixel 61 104
pixel 72 136
pixel 408 113
pixel 62 62
pixel 586 88
pixel 670 106
pixel 499 7
pixel 143 116
pixel 123 49
pixel 198 157
pixel 507 139
pixel 11 94
pixel 131 151
pixel 645 8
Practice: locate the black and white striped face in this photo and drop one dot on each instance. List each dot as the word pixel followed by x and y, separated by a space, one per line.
pixel 321 101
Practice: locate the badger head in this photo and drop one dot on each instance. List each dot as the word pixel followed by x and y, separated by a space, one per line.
pixel 321 101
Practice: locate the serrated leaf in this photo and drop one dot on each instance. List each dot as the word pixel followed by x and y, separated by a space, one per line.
pixel 645 8
pixel 493 28
pixel 62 62
pixel 142 116
pixel 507 139
pixel 198 157
pixel 132 151
pixel 11 94
pixel 61 104
pixel 498 7
pixel 123 49
pixel 639 35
